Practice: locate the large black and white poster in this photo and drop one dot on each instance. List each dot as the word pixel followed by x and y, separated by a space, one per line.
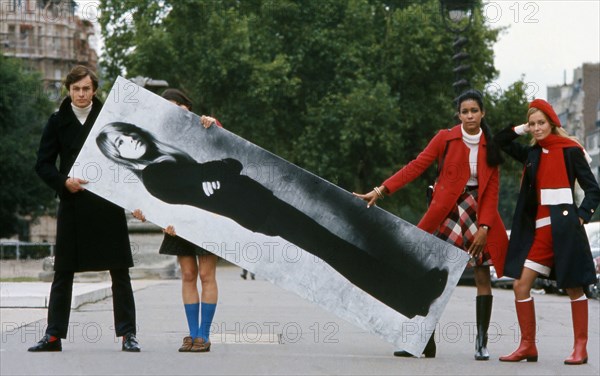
pixel 269 216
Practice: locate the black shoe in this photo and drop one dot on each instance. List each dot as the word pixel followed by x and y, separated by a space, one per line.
pixel 429 350
pixel 406 354
pixel 45 345
pixel 243 275
pixel 403 354
pixel 130 343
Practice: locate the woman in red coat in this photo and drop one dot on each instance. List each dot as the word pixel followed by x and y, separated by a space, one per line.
pixel 464 206
pixel 548 237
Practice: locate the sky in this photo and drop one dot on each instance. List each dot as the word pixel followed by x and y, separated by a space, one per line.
pixel 544 40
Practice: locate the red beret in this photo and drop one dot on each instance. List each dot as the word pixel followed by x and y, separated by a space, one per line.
pixel 547 109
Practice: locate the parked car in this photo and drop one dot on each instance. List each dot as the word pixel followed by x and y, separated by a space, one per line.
pixel 503 282
pixel 594 290
pixel 468 276
pixel 593 234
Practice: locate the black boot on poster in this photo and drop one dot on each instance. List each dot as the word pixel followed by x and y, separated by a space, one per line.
pixel 429 350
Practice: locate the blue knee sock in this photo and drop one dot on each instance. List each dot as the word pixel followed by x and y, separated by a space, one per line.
pixel 192 311
pixel 208 312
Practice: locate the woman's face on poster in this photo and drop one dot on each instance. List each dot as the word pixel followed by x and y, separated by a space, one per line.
pixel 129 146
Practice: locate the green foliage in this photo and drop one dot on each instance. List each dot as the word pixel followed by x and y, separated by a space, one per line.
pixel 348 89
pixel 24 108
pixel 505 109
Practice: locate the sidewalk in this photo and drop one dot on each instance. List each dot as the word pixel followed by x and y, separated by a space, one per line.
pixel 260 329
pixel 22 303
pixel 36 294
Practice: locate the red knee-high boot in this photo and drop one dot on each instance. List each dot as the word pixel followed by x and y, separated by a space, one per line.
pixel 579 312
pixel 527 349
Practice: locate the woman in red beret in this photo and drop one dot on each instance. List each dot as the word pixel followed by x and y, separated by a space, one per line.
pixel 548 237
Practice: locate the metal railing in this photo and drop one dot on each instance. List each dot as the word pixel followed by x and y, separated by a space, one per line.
pixel 17 250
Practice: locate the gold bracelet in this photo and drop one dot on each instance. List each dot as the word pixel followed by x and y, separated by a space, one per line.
pixel 379 193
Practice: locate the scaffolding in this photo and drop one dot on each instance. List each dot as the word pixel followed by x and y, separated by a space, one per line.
pixel 48 37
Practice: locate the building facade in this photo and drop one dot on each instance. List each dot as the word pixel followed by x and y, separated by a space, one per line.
pixel 578 107
pixel 48 37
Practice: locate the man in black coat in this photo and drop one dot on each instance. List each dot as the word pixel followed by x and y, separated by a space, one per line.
pixel 91 232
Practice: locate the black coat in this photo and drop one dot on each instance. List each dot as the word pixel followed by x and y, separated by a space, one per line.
pixel 573 264
pixel 91 232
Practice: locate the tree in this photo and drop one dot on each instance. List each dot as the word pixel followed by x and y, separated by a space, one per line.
pixel 505 109
pixel 348 89
pixel 24 107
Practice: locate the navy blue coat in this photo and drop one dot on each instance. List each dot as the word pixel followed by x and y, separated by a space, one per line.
pixel 573 264
pixel 91 232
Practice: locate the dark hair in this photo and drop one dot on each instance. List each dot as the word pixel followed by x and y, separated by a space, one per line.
pixel 156 152
pixel 494 157
pixel 78 73
pixel 178 97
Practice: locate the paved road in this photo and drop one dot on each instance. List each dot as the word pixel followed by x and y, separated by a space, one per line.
pixel 261 329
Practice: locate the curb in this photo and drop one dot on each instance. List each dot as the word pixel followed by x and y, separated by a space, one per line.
pixel 36 294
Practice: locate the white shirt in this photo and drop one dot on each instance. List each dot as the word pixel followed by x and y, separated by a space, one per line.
pixel 81 113
pixel 472 141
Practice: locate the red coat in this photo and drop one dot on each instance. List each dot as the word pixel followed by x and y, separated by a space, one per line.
pixel 451 183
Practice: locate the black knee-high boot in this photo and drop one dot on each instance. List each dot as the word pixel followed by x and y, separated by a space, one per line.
pixel 483 313
pixel 429 350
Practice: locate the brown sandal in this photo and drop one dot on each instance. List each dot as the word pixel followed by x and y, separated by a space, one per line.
pixel 200 346
pixel 187 344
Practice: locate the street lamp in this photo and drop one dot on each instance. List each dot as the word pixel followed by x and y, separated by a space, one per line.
pixel 457 16
pixel 149 83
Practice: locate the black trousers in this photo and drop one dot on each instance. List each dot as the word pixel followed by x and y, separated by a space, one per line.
pixel 59 307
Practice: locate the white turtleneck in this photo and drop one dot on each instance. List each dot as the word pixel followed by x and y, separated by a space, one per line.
pixel 81 113
pixel 472 142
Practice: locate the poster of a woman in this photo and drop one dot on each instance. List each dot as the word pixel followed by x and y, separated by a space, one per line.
pixel 270 217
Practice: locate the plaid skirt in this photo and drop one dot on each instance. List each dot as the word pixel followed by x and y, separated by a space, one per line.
pixel 460 226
